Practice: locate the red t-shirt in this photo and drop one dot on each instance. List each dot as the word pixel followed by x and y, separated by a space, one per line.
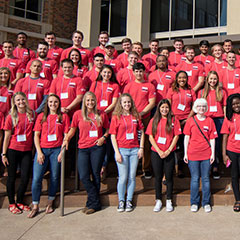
pixel 170 68
pixel 24 54
pixel 126 130
pixel 5 100
pixel 115 64
pixel 1 121
pixel 162 137
pixel 213 66
pixel 232 128
pixel 22 135
pixel 52 130
pixel 193 70
pixel 34 89
pixel 90 77
pixel 141 94
pixel 89 132
pixel 124 77
pixel 49 67
pixel 123 58
pixel 215 108
pixel 78 72
pixel 237 90
pixel 1 52
pixel 150 58
pixel 100 50
pixel 204 60
pixel 85 54
pixel 162 82
pixel 55 54
pixel 181 102
pixel 176 58
pixel 198 148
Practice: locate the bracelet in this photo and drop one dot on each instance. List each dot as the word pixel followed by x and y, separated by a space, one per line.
pixel 104 137
pixel 3 154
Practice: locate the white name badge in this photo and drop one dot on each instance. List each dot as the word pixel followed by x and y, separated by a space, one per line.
pixel 64 95
pixel 189 73
pixel 230 85
pixel 21 138
pixel 237 136
pixel 52 137
pixel 3 99
pixel 103 103
pixel 93 133
pixel 213 109
pixel 181 107
pixel 32 96
pixel 160 87
pixel 42 75
pixel 129 136
pixel 162 140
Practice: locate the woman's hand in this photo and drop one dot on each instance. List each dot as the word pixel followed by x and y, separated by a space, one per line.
pixel 65 144
pixel 185 159
pixel 5 161
pixel 226 159
pixel 118 157
pixel 161 154
pixel 40 158
pixel 167 152
pixel 140 153
pixel 212 159
pixel 100 141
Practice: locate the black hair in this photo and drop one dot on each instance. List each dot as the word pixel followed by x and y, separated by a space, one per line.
pixel 79 64
pixel 50 33
pixel 138 66
pixel 204 42
pixel 113 77
pixel 98 55
pixel 43 43
pixel 67 60
pixel 229 110
pixel 22 33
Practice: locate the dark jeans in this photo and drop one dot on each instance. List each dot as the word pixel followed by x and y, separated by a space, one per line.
pixel 25 161
pixel 235 172
pixel 160 166
pixel 90 162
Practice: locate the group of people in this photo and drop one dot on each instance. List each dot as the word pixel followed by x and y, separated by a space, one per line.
pixel 163 107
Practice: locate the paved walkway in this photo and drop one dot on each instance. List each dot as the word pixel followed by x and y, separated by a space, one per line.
pixel 108 224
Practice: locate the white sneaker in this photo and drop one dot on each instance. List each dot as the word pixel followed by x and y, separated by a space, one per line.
pixel 158 205
pixel 207 208
pixel 169 207
pixel 194 208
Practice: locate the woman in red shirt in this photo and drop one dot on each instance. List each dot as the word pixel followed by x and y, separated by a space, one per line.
pixel 163 130
pixel 231 147
pixel 199 148
pixel 50 128
pixel 124 128
pixel 17 148
pixel 91 147
pixel 216 98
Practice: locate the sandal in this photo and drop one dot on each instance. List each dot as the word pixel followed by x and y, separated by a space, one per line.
pixel 236 207
pixel 49 209
pixel 14 209
pixel 33 213
pixel 23 207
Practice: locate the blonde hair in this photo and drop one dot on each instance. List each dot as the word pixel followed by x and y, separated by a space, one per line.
pixel 216 45
pixel 14 110
pixel 95 111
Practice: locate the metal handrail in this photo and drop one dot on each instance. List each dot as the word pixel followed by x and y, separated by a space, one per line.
pixel 62 182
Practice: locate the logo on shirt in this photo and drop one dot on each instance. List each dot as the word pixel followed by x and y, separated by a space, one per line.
pixel 40 85
pixel 189 94
pixel 205 128
pixel 25 53
pixel 13 64
pixel 168 77
pixel 195 67
pixel 47 65
pixel 72 84
pixel 144 89
pixel 237 75
pixel 109 89
pixel 83 52
pixel 55 54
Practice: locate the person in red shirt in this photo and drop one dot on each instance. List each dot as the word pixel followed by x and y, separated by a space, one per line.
pixel 127 47
pixel 35 87
pixel 230 146
pixel 124 128
pixel 5 93
pixel 21 51
pixel 17 149
pixel 216 98
pixel 91 148
pixel 79 70
pixel 49 66
pixel 230 76
pixel 77 38
pixel 1 52
pixel 92 75
pixel 50 128
pixel 228 47
pixel 144 97
pixel 54 52
pixel 3 169
pixel 204 58
pixel 15 65
pixel 177 56
pixel 69 88
pixel 163 130
pixel 125 75
pixel 152 56
pixel 194 70
pixel 181 97
pixel 161 78
pixel 103 38
pixel 200 134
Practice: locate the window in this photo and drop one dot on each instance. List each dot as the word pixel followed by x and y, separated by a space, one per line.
pixel 31 9
pixel 114 17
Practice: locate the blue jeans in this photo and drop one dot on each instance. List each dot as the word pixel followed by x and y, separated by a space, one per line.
pixel 90 162
pixel 127 173
pixel 51 155
pixel 200 169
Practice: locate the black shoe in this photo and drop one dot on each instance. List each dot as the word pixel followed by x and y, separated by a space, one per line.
pixel 215 175
pixel 147 175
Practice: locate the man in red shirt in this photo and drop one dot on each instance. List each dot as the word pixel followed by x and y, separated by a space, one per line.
pixel 228 47
pixel 126 46
pixel 22 52
pixel 152 56
pixel 15 65
pixel 49 66
pixel 144 97
pixel 77 38
pixel 194 70
pixel 1 52
pixel 54 52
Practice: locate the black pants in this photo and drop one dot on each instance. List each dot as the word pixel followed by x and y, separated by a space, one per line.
pixel 25 160
pixel 235 172
pixel 160 166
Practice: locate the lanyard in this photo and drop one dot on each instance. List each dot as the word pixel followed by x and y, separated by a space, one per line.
pixel 130 75
pixel 25 124
pixel 105 91
pixel 125 123
pixel 210 98
pixel 160 78
pixel 235 125
pixel 160 128
pixel 62 84
pixel 233 76
pixel 179 94
pixel 50 125
pixel 93 124
pixel 29 90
